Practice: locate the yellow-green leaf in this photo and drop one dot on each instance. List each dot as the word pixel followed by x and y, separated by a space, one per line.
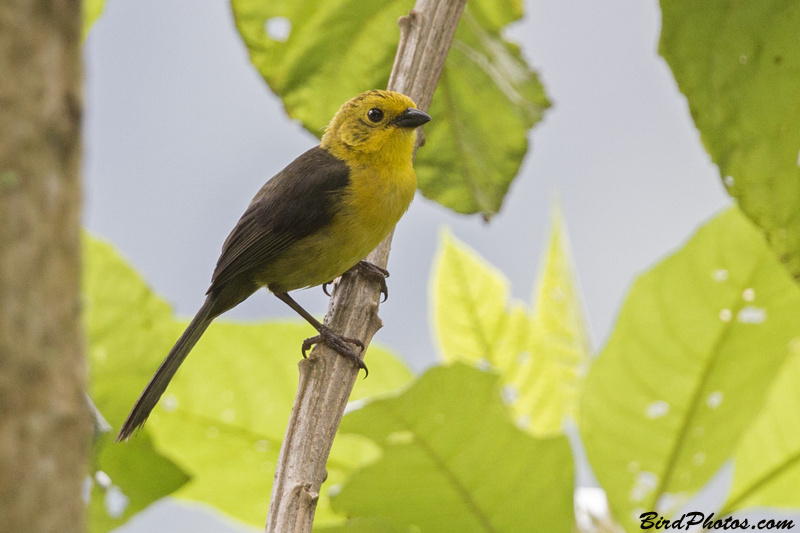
pixel 470 307
pixel 698 344
pixel 767 460
pixel 92 9
pixel 548 377
pixel 542 359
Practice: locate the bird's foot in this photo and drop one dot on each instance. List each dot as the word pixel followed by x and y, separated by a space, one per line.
pixel 340 344
pixel 372 272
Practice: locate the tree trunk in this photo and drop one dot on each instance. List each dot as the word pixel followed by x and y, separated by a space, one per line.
pixel 44 418
pixel 326 378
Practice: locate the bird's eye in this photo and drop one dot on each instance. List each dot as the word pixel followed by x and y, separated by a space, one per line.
pixel 375 115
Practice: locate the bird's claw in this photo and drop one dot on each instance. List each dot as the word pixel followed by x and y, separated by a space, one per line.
pixel 374 273
pixel 339 343
pixel 325 288
pixel 370 271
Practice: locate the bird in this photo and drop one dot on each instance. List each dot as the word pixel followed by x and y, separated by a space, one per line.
pixel 310 223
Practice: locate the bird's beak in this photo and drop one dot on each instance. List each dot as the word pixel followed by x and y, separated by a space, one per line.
pixel 411 118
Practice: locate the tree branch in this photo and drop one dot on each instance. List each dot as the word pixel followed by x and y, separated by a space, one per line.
pixel 327 379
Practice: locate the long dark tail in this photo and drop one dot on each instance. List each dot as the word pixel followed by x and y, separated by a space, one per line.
pixel 152 393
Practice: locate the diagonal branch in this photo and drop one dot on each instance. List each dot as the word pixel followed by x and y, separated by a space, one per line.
pixel 326 379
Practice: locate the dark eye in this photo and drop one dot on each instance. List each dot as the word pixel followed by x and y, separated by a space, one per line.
pixel 375 115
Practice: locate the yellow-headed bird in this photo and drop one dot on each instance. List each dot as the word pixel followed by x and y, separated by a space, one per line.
pixel 310 223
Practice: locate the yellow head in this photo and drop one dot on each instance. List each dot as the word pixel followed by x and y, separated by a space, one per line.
pixel 374 121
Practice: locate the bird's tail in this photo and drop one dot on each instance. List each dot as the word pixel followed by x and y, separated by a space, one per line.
pixel 152 393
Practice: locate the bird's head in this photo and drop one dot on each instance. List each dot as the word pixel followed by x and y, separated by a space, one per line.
pixel 374 121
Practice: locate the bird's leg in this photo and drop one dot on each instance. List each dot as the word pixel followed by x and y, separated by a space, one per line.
pixel 338 342
pixel 372 272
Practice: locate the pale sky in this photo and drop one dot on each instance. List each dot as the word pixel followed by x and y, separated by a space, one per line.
pixel 181 131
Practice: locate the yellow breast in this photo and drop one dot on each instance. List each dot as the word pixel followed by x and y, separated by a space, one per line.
pixel 370 207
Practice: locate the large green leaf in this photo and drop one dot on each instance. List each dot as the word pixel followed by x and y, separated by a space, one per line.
pixel 698 343
pixel 767 460
pixel 222 419
pixel 127 328
pixel 317 54
pixel 485 87
pixel 738 63
pixel 453 461
pixel 542 359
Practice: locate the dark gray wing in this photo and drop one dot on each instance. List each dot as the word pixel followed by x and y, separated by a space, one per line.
pixel 295 203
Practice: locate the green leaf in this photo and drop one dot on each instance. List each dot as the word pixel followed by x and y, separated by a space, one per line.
pixel 738 63
pixel 222 419
pixel 126 328
pixel 485 87
pixel 125 479
pixel 334 50
pixel 546 380
pixel 92 9
pixel 697 345
pixel 767 460
pixel 337 48
pixel 452 461
pixel 542 359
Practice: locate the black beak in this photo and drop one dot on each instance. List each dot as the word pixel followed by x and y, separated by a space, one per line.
pixel 411 118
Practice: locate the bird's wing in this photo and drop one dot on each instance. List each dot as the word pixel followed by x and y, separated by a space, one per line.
pixel 295 203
